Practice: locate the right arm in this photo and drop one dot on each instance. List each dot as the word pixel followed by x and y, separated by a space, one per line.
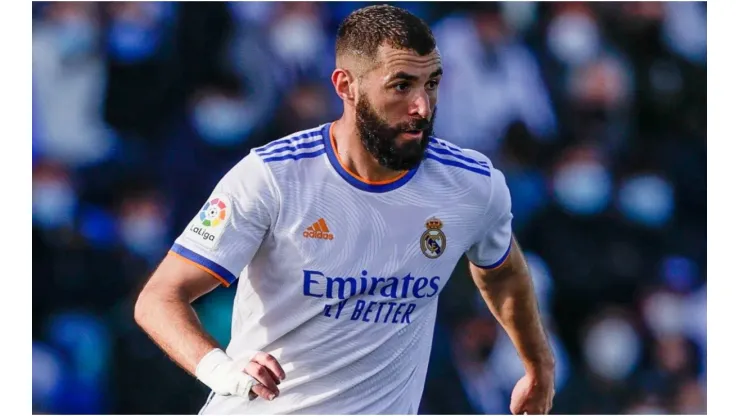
pixel 164 311
pixel 215 247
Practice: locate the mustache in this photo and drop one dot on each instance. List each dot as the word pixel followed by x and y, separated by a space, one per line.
pixel 417 124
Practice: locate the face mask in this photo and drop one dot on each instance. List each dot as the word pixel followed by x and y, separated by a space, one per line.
pixel 297 39
pixel 223 122
pixel 75 38
pixel 54 204
pixel 252 13
pixel 85 340
pixel 47 375
pixel 573 38
pixel 509 367
pixel 695 318
pixel 647 200
pixel 132 42
pixel 583 188
pixel 143 235
pixel 519 14
pixel 664 314
pixel 528 194
pixel 612 349
pixel 541 280
pixel 684 30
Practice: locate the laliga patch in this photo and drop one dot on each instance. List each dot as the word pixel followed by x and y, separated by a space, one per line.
pixel 209 225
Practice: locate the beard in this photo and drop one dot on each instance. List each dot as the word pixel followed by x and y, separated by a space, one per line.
pixel 379 138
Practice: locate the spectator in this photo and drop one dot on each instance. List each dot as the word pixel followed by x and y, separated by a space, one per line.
pixel 69 85
pixel 491 81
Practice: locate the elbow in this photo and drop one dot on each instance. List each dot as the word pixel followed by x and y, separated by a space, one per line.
pixel 155 300
pixel 140 310
pixel 143 307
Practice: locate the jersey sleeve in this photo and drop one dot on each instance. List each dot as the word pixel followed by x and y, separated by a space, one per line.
pixel 493 246
pixel 227 231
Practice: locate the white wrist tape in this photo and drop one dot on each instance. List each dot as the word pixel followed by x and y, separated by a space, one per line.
pixel 223 375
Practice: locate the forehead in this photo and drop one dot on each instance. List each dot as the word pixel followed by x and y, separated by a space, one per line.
pixel 391 60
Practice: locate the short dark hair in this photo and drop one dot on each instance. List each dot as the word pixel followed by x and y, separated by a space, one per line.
pixel 367 29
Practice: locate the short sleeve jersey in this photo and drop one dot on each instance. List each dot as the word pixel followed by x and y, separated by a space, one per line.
pixel 339 278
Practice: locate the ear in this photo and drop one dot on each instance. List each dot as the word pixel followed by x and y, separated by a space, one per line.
pixel 343 80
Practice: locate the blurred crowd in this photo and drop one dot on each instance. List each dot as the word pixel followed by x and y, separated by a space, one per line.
pixel 595 112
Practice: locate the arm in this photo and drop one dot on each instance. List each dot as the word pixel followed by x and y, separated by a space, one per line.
pixel 500 272
pixel 509 294
pixel 164 311
pixel 216 246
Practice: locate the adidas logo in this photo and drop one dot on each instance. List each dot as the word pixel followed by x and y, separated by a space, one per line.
pixel 318 230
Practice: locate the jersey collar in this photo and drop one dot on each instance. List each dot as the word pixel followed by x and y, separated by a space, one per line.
pixel 354 180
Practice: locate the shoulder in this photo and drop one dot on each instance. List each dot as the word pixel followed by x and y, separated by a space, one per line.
pixel 293 156
pixel 443 155
pixel 261 169
pixel 458 166
pixel 305 144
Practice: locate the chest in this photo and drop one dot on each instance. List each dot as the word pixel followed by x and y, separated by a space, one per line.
pixel 340 232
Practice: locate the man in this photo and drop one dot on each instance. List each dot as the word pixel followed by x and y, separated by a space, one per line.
pixel 342 238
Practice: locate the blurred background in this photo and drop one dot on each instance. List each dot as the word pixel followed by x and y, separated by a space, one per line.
pixel 596 113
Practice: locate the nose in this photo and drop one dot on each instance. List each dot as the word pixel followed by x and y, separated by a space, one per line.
pixel 421 106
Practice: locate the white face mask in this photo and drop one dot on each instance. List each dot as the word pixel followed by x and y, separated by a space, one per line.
pixel 664 313
pixel 143 235
pixel 612 348
pixel 573 38
pixel 542 281
pixel 86 341
pixel 297 39
pixel 252 12
pixel 583 188
pixel 54 203
pixel 647 200
pixel 519 15
pixel 47 375
pixel 695 317
pixel 75 37
pixel 223 121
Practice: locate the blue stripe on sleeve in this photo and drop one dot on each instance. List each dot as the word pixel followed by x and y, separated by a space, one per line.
pixel 499 262
pixel 210 265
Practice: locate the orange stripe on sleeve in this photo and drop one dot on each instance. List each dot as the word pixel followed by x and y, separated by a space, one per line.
pixel 202 267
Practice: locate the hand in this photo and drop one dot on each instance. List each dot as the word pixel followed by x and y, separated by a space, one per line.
pixel 533 395
pixel 266 370
pixel 256 375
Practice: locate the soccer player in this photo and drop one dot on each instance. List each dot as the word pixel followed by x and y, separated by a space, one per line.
pixel 342 238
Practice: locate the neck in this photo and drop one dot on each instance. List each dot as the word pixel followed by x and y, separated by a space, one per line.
pixel 354 157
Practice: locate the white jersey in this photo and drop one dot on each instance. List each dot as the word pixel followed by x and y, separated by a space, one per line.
pixel 339 278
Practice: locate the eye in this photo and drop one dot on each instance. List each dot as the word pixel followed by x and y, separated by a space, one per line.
pixel 402 87
pixel 432 85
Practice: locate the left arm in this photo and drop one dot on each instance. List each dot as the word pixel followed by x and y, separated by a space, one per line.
pixel 500 272
pixel 509 294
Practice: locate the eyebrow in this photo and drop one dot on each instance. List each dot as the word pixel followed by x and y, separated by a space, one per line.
pixel 408 77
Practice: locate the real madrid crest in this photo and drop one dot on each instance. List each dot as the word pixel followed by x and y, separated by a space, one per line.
pixel 433 241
